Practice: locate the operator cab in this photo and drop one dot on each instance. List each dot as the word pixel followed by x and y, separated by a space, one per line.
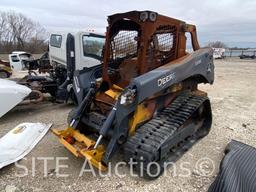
pixel 129 55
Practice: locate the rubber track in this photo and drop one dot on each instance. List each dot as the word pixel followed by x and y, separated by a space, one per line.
pixel 145 145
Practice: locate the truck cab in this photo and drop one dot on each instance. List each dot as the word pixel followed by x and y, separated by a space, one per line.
pixel 88 49
pixel 20 60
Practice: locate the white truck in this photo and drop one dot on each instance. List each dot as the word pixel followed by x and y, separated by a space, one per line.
pixel 20 60
pixel 88 49
pixel 79 52
pixel 218 53
pixel 68 53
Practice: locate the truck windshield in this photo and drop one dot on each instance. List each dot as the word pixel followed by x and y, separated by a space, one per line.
pixel 93 45
pixel 26 57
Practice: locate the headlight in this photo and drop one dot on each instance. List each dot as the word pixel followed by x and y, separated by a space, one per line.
pixel 147 15
pixel 144 16
pixel 152 16
pixel 128 97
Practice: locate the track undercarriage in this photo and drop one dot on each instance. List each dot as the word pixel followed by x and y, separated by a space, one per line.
pixel 169 134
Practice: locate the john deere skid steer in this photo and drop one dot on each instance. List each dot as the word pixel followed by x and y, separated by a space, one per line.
pixel 147 102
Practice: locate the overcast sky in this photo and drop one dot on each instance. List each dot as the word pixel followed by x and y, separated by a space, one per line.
pixel 230 21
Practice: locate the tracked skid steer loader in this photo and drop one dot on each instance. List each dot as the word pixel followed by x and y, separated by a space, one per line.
pixel 147 102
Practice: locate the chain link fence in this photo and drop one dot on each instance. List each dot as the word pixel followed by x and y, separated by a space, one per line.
pixel 239 53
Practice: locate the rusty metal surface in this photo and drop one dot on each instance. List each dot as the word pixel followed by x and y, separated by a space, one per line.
pixel 142 41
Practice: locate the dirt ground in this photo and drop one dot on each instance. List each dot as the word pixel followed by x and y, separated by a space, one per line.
pixel 232 96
